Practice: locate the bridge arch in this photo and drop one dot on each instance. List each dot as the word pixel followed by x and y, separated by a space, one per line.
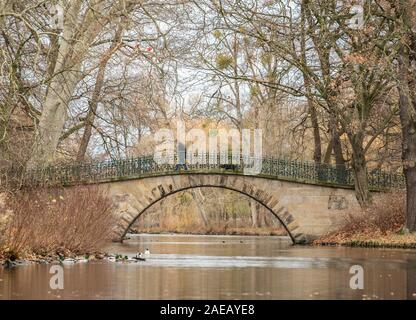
pixel 133 200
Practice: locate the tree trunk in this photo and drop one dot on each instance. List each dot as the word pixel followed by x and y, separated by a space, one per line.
pixel 58 94
pixel 335 140
pixel 317 151
pixel 334 146
pixel 410 175
pixel 328 152
pixel 339 157
pixel 407 89
pixel 199 200
pixel 89 120
pixel 99 81
pixel 254 214
pixel 74 44
pixel 362 191
pixel 262 216
pixel 53 118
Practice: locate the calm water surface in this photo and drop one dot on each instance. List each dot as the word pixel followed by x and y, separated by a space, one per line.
pixel 222 267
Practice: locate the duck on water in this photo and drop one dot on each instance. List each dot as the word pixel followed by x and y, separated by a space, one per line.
pixel 139 257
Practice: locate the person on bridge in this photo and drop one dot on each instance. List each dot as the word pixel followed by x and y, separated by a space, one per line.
pixel 181 157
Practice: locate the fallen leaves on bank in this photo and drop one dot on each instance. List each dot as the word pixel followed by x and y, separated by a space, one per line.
pixel 380 225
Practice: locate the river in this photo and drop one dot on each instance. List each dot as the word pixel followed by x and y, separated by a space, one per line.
pixel 222 267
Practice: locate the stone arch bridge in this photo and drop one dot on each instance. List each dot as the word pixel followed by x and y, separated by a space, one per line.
pixel 307 198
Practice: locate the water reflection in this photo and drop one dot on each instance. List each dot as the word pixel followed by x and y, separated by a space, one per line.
pixel 221 267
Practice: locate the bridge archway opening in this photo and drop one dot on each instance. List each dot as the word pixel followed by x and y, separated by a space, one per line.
pixel 180 190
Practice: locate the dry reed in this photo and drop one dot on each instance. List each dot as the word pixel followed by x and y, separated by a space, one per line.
pixel 50 222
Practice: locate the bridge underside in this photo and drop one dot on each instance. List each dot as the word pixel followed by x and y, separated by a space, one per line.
pixel 306 211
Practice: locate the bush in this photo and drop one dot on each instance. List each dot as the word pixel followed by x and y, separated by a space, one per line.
pixel 385 216
pixel 67 222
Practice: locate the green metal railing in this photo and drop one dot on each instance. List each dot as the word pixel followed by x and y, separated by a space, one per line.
pixel 271 167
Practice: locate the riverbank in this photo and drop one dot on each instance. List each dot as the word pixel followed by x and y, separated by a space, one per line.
pixel 68 260
pixel 47 259
pixel 379 226
pixel 246 231
pixel 393 240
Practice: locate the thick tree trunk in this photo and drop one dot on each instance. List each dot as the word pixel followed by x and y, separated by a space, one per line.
pixel 407 89
pixel 74 44
pixel 336 141
pixel 362 191
pixel 406 24
pixel 334 147
pixel 53 118
pixel 337 147
pixel 58 95
pixel 411 199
